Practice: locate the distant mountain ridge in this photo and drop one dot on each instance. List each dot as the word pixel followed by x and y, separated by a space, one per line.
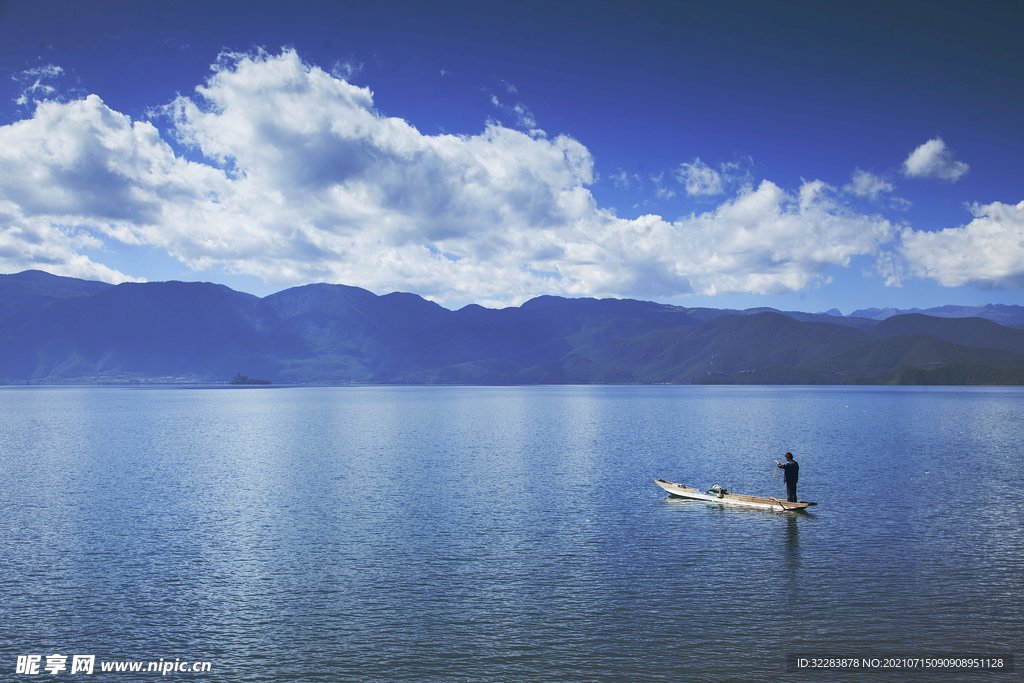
pixel 999 313
pixel 25 293
pixel 63 330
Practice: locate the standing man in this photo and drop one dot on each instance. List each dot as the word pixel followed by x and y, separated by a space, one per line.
pixel 790 473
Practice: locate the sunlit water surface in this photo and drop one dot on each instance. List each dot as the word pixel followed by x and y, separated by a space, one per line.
pixel 508 534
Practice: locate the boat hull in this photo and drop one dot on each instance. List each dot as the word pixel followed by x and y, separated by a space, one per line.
pixel 733 499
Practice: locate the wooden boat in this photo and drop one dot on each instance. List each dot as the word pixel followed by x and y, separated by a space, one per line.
pixel 723 498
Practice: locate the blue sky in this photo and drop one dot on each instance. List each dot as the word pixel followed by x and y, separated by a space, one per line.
pixel 803 156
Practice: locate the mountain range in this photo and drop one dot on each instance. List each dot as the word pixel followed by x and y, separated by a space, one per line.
pixel 58 330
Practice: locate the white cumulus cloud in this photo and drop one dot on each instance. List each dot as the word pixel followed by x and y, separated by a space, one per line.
pixel 79 171
pixel 865 184
pixel 769 241
pixel 987 253
pixel 934 160
pixel 304 180
pixel 699 179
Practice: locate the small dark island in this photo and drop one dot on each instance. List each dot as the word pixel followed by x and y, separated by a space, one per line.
pixel 242 379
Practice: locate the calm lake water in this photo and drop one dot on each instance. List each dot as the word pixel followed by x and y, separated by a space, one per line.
pixel 508 534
